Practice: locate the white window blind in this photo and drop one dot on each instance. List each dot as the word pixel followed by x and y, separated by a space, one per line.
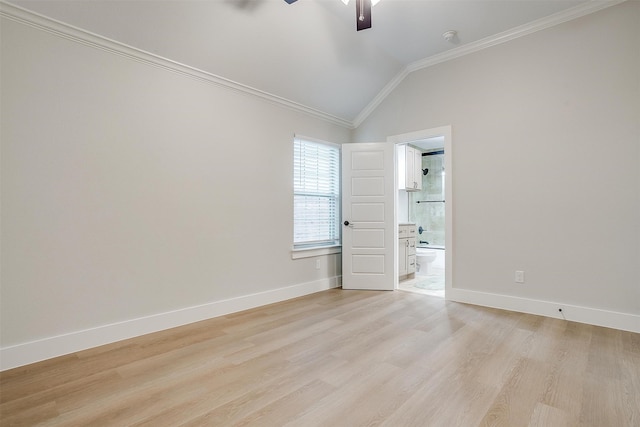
pixel 316 194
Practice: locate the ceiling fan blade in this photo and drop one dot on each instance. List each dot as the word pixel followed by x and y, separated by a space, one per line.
pixel 290 1
pixel 363 14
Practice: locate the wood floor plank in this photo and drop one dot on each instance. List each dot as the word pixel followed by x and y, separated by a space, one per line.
pixel 342 358
pixel 566 378
pixel 263 394
pixel 545 415
pixel 337 408
pixel 289 407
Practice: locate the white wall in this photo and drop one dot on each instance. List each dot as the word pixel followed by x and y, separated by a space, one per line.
pixel 130 190
pixel 546 165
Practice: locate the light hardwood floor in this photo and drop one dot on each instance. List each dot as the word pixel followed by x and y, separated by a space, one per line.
pixel 343 358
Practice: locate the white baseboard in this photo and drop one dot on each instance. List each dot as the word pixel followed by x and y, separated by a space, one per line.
pixel 592 316
pixel 47 348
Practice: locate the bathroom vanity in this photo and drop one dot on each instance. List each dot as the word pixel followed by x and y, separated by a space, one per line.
pixel 406 251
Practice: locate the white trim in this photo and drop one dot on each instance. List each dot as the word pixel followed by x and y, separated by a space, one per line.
pixel 313 252
pixel 35 351
pixel 574 313
pixel 496 39
pixel 87 38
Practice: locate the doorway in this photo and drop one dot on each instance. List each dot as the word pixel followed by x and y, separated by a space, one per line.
pixel 428 208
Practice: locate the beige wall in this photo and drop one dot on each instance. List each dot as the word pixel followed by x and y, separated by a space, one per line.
pixel 129 190
pixel 546 159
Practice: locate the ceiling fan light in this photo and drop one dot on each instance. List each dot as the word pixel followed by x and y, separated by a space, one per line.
pixel 373 2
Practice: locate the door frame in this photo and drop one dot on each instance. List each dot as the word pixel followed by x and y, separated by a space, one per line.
pixel 405 138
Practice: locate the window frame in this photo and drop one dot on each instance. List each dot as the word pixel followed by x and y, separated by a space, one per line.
pixel 301 249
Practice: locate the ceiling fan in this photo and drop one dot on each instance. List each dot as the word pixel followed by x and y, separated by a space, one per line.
pixel 363 12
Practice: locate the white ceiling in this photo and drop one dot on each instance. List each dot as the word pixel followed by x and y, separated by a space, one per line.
pixel 429 144
pixel 308 52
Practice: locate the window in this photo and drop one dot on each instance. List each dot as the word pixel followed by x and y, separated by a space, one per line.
pixel 316 194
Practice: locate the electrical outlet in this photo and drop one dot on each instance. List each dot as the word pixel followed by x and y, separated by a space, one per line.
pixel 519 276
pixel 317 264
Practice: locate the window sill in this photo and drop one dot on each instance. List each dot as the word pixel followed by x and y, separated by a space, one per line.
pixel 312 252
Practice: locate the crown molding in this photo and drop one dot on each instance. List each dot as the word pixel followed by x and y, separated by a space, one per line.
pixel 69 32
pixel 87 38
pixel 381 96
pixel 514 33
pixel 503 37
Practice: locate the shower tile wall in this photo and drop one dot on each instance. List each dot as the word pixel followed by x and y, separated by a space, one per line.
pixel 430 215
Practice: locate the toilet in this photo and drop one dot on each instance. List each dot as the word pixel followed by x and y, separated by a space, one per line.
pixel 424 257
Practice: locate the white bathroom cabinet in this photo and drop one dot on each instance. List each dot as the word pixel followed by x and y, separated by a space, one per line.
pixel 406 250
pixel 409 168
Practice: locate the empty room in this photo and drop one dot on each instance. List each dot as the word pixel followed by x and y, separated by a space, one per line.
pixel 320 213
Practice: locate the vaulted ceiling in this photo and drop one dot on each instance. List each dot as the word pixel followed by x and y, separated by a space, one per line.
pixel 308 52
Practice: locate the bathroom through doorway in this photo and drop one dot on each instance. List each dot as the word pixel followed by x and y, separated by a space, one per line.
pixel 424 210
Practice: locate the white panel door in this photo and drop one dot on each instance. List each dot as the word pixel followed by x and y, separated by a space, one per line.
pixel 368 241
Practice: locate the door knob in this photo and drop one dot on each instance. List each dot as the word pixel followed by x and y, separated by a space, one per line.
pixel 346 223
